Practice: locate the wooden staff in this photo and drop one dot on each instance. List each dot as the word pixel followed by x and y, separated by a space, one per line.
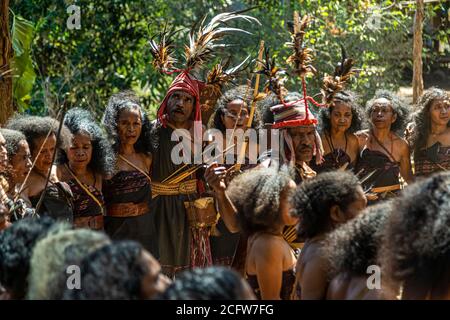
pixel 241 155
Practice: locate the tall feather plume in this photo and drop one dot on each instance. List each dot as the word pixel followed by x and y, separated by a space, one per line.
pixel 332 84
pixel 204 41
pixel 217 78
pixel 302 58
pixel 162 50
pixel 221 74
pixel 275 76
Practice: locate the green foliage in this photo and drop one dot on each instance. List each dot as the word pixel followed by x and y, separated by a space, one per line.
pixel 22 63
pixel 110 52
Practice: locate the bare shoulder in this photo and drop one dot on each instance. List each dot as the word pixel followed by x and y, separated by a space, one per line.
pixel 400 143
pixel 337 288
pixel 268 246
pixel 352 139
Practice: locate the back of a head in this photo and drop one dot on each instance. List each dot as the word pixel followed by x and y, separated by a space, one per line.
pixel 213 283
pixel 256 195
pixel 16 247
pixel 314 198
pixel 112 272
pixel 416 245
pixel 353 247
pixel 54 254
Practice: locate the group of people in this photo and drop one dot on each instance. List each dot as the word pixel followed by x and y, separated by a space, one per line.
pixel 338 196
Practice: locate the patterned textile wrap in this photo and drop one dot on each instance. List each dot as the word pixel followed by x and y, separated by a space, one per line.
pixel 433 159
pixel 202 216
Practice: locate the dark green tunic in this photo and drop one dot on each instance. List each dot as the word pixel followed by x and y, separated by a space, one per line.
pixel 171 221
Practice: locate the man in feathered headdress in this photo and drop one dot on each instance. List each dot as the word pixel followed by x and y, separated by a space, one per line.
pixel 175 187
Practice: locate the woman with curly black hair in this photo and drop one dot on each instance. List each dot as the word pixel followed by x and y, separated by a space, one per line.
pixel 415 252
pixel 261 197
pixel 213 283
pixel 128 193
pixel 339 122
pixel 122 270
pixel 323 203
pixel 84 164
pixel 4 186
pixel 384 155
pixel 431 134
pixel 53 198
pixel 351 249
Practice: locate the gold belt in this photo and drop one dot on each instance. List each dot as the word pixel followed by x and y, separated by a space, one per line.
pixel 166 189
pixel 386 189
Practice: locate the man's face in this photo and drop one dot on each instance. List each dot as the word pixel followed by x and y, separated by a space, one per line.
pixel 3 153
pixel 180 106
pixel 303 139
pixel 382 114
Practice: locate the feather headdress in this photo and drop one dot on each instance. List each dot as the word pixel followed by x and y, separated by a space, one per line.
pixel 332 84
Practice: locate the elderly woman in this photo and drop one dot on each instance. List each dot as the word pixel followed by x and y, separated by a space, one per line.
pixel 19 158
pixel 128 193
pixel 52 197
pixel 431 135
pixel 84 165
pixel 384 154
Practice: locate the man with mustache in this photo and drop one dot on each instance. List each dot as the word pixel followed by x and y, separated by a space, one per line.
pixel 180 109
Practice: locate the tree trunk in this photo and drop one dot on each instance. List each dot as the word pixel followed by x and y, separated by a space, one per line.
pixel 417 52
pixel 6 102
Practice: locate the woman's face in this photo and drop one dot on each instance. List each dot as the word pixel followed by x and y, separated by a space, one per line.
pixel 80 151
pixel 382 114
pixel 45 157
pixel 440 112
pixel 231 114
pixel 129 126
pixel 154 282
pixel 21 162
pixel 341 117
pixel 286 206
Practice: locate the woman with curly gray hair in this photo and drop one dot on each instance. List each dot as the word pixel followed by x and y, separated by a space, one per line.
pixel 384 154
pixel 431 135
pixel 339 122
pixel 83 165
pixel 261 197
pixel 128 192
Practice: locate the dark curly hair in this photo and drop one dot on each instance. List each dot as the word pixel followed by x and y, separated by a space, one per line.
pixel 399 107
pixel 256 195
pixel 422 118
pixel 103 158
pixel 16 247
pixel 349 98
pixel 265 104
pixel 126 100
pixel 314 198
pixel 352 247
pixel 416 246
pixel 243 93
pixel 112 272
pixel 213 283
pixel 34 127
